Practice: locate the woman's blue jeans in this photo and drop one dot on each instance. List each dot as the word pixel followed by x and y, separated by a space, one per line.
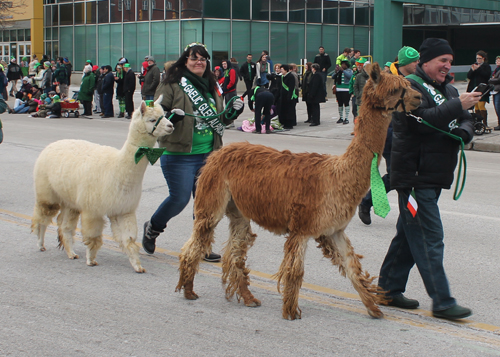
pixel 181 173
pixel 418 240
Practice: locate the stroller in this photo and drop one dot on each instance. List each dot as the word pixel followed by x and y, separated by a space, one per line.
pixel 479 127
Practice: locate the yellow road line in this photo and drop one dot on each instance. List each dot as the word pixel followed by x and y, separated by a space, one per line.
pixel 312 292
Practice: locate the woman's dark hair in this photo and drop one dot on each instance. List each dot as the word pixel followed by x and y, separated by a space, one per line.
pixel 483 54
pixel 308 66
pixel 228 64
pixel 285 67
pixel 260 58
pixel 175 72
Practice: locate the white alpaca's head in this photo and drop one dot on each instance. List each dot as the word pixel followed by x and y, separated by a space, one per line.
pixel 151 119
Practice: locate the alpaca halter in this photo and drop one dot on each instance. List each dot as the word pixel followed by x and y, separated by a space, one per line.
pixel 400 102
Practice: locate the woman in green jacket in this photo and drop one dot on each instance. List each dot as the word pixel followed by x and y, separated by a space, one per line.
pixel 190 89
pixel 87 90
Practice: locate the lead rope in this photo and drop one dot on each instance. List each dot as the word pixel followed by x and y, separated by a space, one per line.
pixel 462 158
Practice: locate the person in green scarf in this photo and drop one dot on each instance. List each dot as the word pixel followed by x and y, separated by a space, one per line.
pixel 189 92
pixel 120 95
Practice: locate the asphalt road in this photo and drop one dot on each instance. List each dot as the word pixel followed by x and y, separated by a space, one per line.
pixel 53 306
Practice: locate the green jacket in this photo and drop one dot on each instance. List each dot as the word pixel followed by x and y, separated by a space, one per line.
pixel 181 139
pixel 359 84
pixel 87 87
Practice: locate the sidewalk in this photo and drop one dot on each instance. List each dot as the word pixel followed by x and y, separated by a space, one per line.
pixel 328 129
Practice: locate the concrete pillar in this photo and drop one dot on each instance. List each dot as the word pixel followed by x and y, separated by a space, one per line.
pixel 37 29
pixel 387 30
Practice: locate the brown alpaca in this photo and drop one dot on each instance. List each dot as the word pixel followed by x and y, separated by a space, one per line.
pixel 307 196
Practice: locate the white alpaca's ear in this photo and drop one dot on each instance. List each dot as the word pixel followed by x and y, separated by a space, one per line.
pixel 143 107
pixel 373 71
pixel 159 100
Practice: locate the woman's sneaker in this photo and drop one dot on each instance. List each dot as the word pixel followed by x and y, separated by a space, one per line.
pixel 149 238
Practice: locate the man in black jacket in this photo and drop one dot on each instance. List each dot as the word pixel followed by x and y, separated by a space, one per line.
pixel 247 73
pixel 264 100
pixel 324 62
pixel 14 74
pixel 108 84
pixel 129 89
pixel 423 162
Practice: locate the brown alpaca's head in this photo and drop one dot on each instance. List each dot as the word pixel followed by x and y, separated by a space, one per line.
pixel 388 92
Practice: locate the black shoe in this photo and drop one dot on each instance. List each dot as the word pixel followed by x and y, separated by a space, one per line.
pixel 269 131
pixel 340 121
pixel 403 303
pixel 313 124
pixel 456 312
pixel 106 116
pixel 149 238
pixel 346 121
pixel 496 128
pixel 308 121
pixel 121 115
pixel 364 214
pixel 212 257
pixel 256 132
pixel 128 117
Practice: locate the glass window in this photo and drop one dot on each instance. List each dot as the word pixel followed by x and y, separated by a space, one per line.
pixel 129 44
pixel 313 34
pixel 80 59
pixel 157 10
pixel 217 40
pixel 143 10
pixel 330 11
pixel 55 33
pixel 346 13
pixel 172 40
pixel 79 13
pixel 217 9
pixel 278 10
pixel 295 42
pixel 314 11
pixel 260 10
pixel 55 15
pixel 191 9
pixel 346 37
pixel 66 41
pixel 297 10
pixel 115 10
pixel 48 49
pixel 362 13
pixel 66 13
pixel 330 43
pixel 104 53
pixel 128 10
pixel 159 40
pixel 279 43
pixel 171 9
pixel 103 11
pixel 20 35
pixel 191 32
pixel 91 12
pixel 361 39
pixel 241 40
pixel 116 41
pixel 259 39
pixel 142 46
pixel 48 34
pixel 55 49
pixel 28 34
pixel 241 9
pixel 47 18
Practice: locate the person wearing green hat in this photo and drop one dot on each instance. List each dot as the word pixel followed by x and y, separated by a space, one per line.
pixel 129 89
pixel 387 67
pixel 408 59
pixel 360 81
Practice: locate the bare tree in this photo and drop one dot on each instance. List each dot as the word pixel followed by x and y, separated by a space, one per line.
pixel 10 8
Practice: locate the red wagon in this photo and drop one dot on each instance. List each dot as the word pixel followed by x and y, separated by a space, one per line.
pixel 67 108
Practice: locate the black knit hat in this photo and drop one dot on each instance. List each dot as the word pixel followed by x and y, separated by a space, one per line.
pixel 432 48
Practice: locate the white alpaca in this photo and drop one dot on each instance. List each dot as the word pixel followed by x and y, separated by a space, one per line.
pixel 77 177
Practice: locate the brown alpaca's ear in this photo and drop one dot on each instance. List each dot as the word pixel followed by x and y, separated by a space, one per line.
pixel 143 107
pixel 373 71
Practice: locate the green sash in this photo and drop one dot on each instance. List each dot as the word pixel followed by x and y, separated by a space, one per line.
pixel 202 106
pixel 436 95
pixel 294 95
